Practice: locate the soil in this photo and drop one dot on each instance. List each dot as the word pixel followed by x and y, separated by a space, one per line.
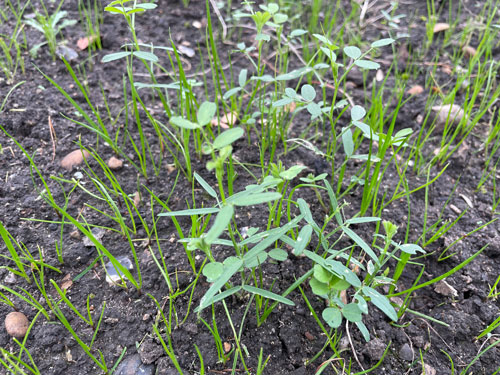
pixel 290 336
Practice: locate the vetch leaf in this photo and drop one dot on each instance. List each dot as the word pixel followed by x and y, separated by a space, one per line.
pixel 227 137
pixel 321 274
pixel 267 294
pixel 148 56
pixel 297 32
pixel 353 52
pixel 381 302
pixel 194 211
pixel 332 316
pixel 206 112
pixel 382 42
pixel 361 243
pixel 411 248
pixel 347 141
pixel 318 288
pixel 256 261
pixel 205 186
pixel 308 92
pixel 220 224
pixel 364 331
pixel 292 172
pixel 367 64
pixel 253 199
pixel 231 92
pixel 212 271
pixel 278 254
pixel 115 56
pixel 303 239
pixel 207 299
pixel 357 113
pixel 181 122
pixel 352 313
pixel 242 77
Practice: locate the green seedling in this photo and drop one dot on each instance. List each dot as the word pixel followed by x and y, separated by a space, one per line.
pixel 220 148
pixel 50 26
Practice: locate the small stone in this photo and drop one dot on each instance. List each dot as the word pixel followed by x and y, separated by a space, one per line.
pixel 406 353
pixel 132 365
pixel 150 352
pixel 451 113
pixel 191 328
pixel 445 289
pixel 227 347
pixel 197 24
pixel 309 336
pixel 441 26
pixel 428 370
pixel 75 234
pixel 469 51
pixel 113 276
pixel 98 233
pixel 375 349
pixel 189 52
pixel 16 324
pixel 415 90
pixel 10 278
pixel 115 163
pixel 73 159
pixel 68 53
pixel 137 199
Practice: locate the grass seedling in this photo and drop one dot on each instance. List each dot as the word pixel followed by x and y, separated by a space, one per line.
pixel 50 26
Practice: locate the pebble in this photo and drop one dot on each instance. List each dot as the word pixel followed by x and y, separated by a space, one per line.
pixel 98 233
pixel 10 278
pixel 112 275
pixel 132 365
pixel 375 349
pixel 74 159
pixel 115 163
pixel 406 353
pixel 16 324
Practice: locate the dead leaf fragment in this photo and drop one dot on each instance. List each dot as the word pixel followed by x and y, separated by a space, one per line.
pixel 415 90
pixel 452 113
pixel 73 159
pixel 137 199
pixel 428 370
pixel 66 282
pixel 83 43
pixel 309 336
pixel 227 120
pixel 115 163
pixel 440 26
pixel 445 289
pixel 469 51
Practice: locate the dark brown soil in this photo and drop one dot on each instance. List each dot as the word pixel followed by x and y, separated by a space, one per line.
pixel 290 336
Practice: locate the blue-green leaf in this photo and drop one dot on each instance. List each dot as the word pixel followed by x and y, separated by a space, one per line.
pixel 332 316
pixel 367 64
pixel 206 113
pixel 382 42
pixel 352 313
pixel 148 56
pixel 382 302
pixel 227 137
pixel 194 211
pixel 353 52
pixel 220 224
pixel 115 56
